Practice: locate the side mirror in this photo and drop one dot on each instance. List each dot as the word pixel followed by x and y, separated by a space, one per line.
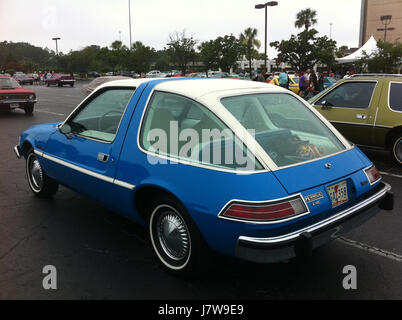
pixel 325 105
pixel 65 129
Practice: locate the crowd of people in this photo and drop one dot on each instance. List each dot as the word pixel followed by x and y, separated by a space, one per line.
pixel 310 82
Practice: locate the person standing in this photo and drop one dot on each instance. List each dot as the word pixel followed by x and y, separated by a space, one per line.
pixel 283 79
pixel 320 81
pixel 302 84
pixel 308 74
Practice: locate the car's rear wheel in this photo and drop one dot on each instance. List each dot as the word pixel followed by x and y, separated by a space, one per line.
pixel 176 240
pixel 397 148
pixel 29 109
pixel 41 184
pixel 72 85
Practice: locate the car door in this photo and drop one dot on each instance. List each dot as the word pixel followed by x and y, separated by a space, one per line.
pixel 83 153
pixel 350 107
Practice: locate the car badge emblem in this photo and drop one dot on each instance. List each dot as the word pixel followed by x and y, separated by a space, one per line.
pixel 328 165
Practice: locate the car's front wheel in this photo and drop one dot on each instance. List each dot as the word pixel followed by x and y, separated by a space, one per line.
pixel 41 185
pixel 397 148
pixel 176 240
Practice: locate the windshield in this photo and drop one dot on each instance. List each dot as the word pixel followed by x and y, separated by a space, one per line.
pixel 8 83
pixel 286 129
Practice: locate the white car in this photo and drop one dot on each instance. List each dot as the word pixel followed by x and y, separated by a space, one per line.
pixel 153 74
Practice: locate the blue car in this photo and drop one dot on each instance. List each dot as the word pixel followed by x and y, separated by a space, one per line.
pixel 329 82
pixel 245 169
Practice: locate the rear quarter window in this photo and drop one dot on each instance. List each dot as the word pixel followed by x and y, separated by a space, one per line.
pixel 395 96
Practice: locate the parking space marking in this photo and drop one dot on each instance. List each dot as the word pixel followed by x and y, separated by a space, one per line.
pixel 384 253
pixel 391 175
pixel 49 112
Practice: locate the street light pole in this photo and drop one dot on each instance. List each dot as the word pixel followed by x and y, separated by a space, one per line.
pixel 386 20
pixel 330 30
pixel 129 20
pixel 57 47
pixel 265 6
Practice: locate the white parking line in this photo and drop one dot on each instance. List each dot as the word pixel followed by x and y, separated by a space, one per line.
pixel 391 175
pixel 380 252
pixel 49 112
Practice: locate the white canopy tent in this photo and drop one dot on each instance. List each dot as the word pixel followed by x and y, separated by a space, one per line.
pixel 369 47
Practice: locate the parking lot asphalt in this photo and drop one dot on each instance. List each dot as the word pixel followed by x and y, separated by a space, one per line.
pixel 100 255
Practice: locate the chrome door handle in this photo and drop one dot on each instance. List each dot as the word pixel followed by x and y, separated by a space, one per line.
pixel 103 157
pixel 361 116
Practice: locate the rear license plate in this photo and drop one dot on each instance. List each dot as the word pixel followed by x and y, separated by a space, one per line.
pixel 14 105
pixel 338 193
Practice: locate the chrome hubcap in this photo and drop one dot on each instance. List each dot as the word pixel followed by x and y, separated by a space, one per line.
pixel 36 174
pixel 173 236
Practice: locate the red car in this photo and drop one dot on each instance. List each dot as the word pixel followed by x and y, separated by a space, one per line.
pixel 60 80
pixel 23 79
pixel 13 96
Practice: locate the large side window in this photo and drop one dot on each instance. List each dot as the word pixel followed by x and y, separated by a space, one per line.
pixel 395 96
pixel 355 95
pixel 178 127
pixel 100 118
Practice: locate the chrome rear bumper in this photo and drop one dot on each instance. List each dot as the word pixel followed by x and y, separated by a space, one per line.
pixel 303 241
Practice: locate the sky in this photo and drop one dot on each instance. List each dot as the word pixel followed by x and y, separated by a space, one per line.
pixel 80 23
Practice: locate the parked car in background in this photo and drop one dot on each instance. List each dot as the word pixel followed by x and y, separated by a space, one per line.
pixel 87 89
pixel 234 76
pixel 13 96
pixel 109 74
pixel 293 84
pixel 292 186
pixel 60 80
pixel 93 74
pixel 367 110
pixel 153 74
pixel 22 79
pixel 329 82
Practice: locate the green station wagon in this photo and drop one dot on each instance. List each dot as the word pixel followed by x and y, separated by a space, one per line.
pixel 367 110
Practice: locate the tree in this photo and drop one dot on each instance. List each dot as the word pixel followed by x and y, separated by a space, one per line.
pixel 306 18
pixel 387 59
pixel 209 53
pixel 249 44
pixel 140 57
pixel 305 50
pixel 162 60
pixel 181 49
pixel 229 52
pixel 342 51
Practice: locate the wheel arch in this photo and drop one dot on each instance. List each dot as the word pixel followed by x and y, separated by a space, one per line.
pixel 146 194
pixel 391 136
pixel 26 145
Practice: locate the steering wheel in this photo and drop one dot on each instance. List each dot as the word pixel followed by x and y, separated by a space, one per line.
pixel 100 120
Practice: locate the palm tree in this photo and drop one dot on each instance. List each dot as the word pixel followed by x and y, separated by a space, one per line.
pixel 250 43
pixel 306 18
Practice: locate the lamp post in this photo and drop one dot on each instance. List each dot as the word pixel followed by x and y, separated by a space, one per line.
pixel 57 47
pixel 330 30
pixel 386 20
pixel 129 20
pixel 265 6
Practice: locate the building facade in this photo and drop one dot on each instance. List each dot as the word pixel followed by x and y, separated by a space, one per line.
pixel 370 21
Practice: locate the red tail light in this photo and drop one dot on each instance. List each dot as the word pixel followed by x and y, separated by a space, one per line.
pixel 373 174
pixel 266 212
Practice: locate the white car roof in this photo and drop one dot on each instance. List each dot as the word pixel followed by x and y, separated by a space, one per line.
pixel 196 88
